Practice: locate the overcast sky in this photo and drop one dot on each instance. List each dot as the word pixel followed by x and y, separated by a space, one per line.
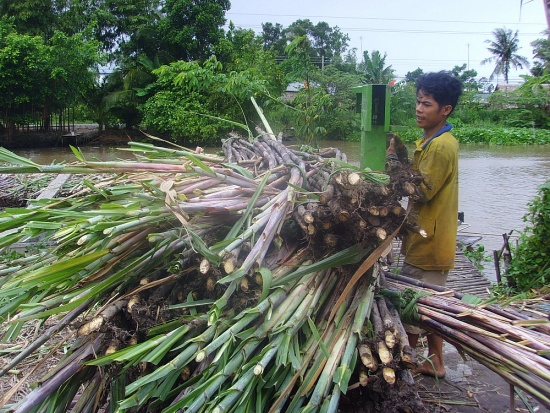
pixel 430 34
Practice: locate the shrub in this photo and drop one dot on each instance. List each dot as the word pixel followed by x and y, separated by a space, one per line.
pixel 530 265
pixel 491 135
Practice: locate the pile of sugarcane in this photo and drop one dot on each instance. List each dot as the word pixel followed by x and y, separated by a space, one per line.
pixel 509 343
pixel 388 348
pixel 194 284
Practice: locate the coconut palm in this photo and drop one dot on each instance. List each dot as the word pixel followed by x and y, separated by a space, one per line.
pixel 504 48
pixel 374 68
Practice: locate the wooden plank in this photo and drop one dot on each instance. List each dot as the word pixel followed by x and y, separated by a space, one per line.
pixel 54 187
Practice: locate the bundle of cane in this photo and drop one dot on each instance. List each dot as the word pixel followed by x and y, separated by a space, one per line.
pixel 192 282
pixel 509 343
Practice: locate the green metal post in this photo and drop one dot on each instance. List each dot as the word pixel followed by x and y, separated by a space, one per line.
pixel 373 105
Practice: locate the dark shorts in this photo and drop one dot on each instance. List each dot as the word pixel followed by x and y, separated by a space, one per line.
pixel 437 277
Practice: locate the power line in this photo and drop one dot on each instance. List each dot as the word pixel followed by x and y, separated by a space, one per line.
pixel 378 18
pixel 409 31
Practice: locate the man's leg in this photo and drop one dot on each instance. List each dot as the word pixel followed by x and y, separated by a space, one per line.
pixel 435 365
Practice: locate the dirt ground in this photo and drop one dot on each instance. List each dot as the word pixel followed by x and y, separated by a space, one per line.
pixel 470 387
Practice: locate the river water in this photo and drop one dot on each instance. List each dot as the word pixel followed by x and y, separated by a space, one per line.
pixel 496 183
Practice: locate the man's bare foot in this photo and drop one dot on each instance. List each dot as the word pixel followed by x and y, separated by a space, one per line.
pixel 429 369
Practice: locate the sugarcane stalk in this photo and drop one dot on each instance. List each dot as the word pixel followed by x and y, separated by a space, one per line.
pixel 488 357
pixel 382 349
pixel 462 309
pixel 230 260
pixel 387 322
pixel 50 386
pixel 293 324
pixel 388 373
pixel 367 358
pixel 322 387
pixel 96 323
pixel 406 352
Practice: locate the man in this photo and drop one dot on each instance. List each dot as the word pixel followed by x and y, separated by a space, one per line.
pixel 430 258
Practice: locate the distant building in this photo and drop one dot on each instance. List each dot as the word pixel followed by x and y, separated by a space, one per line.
pixel 507 87
pixel 291 90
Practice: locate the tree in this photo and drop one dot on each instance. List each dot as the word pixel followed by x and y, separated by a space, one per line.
pixel 310 99
pixel 504 48
pixel 32 17
pixel 39 76
pixel 326 44
pixel 374 68
pixel 73 65
pixel 24 73
pixel 338 116
pixel 189 100
pixel 412 76
pixel 329 42
pixel 273 38
pixel 530 268
pixel 541 54
pixel 244 50
pixel 467 77
pixel 403 102
pixel 189 29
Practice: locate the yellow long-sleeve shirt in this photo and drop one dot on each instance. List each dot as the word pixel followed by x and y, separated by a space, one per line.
pixel 437 161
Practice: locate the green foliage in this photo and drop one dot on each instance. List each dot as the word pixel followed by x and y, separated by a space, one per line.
pixel 477 255
pixel 501 136
pixel 32 17
pixel 374 68
pixel 310 105
pixel 181 115
pixel 189 100
pixel 189 29
pixel 24 70
pixel 471 110
pixel 337 111
pixel 403 103
pixel 325 43
pixel 541 54
pixel 242 50
pixel 490 135
pixel 39 75
pixel 504 48
pixel 530 266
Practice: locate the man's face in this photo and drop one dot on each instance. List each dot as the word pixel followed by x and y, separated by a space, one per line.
pixel 428 112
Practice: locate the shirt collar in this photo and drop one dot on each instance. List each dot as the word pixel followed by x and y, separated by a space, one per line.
pixel 441 131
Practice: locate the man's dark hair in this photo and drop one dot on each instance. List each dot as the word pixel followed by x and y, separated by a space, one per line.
pixel 444 87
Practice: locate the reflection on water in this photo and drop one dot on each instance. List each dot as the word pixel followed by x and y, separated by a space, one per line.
pixel 46 156
pixel 496 183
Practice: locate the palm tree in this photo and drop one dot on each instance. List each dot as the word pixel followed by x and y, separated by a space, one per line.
pixel 504 49
pixel 374 68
